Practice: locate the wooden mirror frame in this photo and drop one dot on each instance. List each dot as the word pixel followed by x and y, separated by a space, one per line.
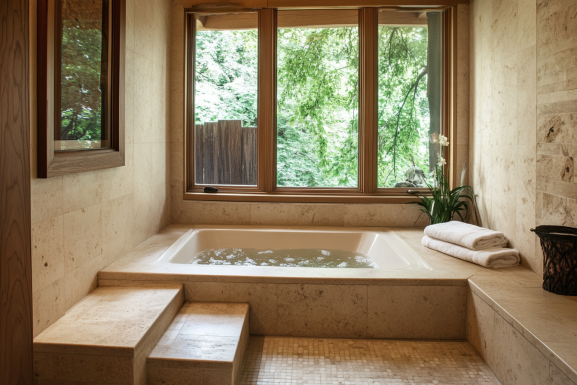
pixel 51 163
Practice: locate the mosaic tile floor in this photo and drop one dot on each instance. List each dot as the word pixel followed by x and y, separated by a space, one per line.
pixel 322 361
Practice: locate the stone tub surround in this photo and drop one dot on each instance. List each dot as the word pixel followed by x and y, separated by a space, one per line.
pixel 525 334
pixel 205 344
pixel 106 338
pixel 310 302
pixel 456 300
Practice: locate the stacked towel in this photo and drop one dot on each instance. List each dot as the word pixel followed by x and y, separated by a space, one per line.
pixel 471 243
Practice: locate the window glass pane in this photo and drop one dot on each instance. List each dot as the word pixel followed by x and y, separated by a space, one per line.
pixel 317 88
pixel 225 99
pixel 409 97
pixel 84 88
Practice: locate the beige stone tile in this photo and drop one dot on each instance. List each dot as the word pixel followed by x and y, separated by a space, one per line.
pixel 261 297
pixel 214 319
pixel 200 212
pixel 82 236
pixel 197 349
pixel 144 201
pixel 383 215
pixel 417 312
pixel 526 96
pixel 527 23
pixel 48 305
pixel 287 214
pixel 144 99
pixel 215 377
pixel 118 227
pixel 517 361
pixel 555 167
pixel 177 167
pixel 177 106
pixel 480 327
pixel 119 181
pixel 144 30
pixel 110 318
pixel 177 37
pixel 47 198
pixel 82 190
pixel 551 209
pixel 162 376
pixel 82 368
pixel 322 310
pixel 557 377
pixel 504 28
pixel 130 23
pixel 504 97
pixel 160 163
pixel 161 115
pixel 47 252
pixel 563 369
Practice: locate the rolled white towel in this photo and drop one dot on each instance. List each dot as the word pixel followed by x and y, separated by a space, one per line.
pixel 494 257
pixel 466 235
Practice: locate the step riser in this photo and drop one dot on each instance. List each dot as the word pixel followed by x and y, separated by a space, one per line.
pixel 169 366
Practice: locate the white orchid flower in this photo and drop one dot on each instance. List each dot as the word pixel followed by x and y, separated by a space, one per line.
pixel 443 141
pixel 442 162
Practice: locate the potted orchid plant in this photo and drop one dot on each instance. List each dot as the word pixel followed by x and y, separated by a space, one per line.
pixel 442 203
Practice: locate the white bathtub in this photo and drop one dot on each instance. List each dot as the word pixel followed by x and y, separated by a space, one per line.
pixel 386 248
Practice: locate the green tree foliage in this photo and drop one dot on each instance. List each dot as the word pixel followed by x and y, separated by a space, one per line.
pixel 226 76
pixel 317 107
pixel 317 112
pixel 403 107
pixel 82 81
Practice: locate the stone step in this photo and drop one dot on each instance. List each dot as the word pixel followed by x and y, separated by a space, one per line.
pixel 106 338
pixel 204 345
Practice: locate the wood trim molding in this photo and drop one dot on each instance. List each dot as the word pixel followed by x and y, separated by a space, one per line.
pixel 16 365
pixel 367 191
pixel 51 163
pixel 368 96
pixel 250 5
pixel 267 46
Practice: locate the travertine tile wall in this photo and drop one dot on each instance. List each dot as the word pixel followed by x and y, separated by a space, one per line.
pixel 556 112
pixel 83 222
pixel 503 118
pixel 234 213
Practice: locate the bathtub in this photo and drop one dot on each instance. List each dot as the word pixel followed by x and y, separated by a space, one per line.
pixel 385 248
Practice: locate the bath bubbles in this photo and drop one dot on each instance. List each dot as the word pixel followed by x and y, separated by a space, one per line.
pixel 284 258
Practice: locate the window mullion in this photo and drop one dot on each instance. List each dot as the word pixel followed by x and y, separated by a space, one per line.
pixel 267 38
pixel 368 73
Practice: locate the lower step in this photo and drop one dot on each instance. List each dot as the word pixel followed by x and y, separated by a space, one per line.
pixel 204 345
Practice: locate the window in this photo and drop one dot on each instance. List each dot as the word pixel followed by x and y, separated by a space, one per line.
pixel 225 94
pixel 81 84
pixel 323 105
pixel 317 99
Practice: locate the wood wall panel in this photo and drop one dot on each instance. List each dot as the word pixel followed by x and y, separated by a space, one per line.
pixel 15 237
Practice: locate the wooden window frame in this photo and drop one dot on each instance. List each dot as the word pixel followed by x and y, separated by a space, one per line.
pixel 367 190
pixel 54 163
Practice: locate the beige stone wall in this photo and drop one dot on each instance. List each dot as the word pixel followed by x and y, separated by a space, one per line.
pixel 556 112
pixel 200 212
pixel 83 222
pixel 503 118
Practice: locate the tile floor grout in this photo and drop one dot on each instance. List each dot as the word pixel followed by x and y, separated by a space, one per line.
pixel 326 361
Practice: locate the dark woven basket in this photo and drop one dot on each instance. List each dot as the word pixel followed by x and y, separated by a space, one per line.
pixel 559 244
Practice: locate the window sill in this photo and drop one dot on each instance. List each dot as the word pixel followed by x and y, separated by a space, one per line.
pixel 301 198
